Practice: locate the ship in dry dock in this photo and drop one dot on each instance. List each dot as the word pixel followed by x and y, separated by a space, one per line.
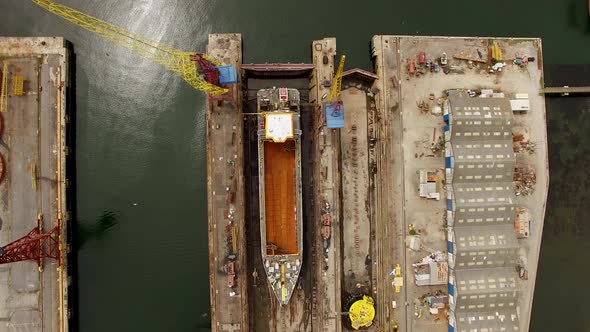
pixel 279 160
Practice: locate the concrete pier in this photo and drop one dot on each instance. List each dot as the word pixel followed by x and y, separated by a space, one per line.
pixel 412 128
pixel 326 144
pixel 225 196
pixel 33 146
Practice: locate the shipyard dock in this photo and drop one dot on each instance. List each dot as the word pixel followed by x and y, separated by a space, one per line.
pixel 36 287
pixel 425 208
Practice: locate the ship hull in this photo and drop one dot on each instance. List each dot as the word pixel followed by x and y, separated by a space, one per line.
pixel 280 194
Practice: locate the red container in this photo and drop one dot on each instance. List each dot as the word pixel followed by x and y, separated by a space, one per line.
pixel 422 58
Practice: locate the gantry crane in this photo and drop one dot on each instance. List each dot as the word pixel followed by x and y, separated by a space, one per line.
pixel 210 76
pixel 333 108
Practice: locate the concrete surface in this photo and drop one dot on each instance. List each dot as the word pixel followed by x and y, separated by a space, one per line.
pixel 34 139
pixel 416 130
pixel 326 143
pixel 356 227
pixel 224 158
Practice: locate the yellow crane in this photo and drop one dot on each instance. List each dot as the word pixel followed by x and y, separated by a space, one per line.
pixel 337 82
pixel 209 77
pixel 3 88
pixel 333 108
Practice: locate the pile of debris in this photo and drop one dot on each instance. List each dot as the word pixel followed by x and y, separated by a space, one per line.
pixel 326 226
pixel 524 180
pixel 438 146
pixel 423 106
pixel 520 145
pixel 436 303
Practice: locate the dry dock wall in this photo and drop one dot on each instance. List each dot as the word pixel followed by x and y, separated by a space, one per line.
pixel 225 194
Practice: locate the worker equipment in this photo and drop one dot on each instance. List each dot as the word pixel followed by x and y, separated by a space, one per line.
pixel 333 107
pixel 210 76
pixel 362 312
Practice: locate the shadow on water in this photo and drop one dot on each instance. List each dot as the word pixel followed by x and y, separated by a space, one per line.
pixel 104 223
pixel 79 233
pixel 560 290
pixel 71 188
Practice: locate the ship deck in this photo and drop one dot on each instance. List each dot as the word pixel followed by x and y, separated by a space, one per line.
pixel 281 220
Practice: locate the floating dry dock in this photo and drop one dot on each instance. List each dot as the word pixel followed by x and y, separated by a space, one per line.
pixel 33 185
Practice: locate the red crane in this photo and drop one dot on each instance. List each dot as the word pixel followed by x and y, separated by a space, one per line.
pixel 34 246
pixel 206 68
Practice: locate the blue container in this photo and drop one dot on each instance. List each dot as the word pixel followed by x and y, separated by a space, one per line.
pixel 451 289
pixel 450 247
pixel 227 74
pixel 334 120
pixel 447 162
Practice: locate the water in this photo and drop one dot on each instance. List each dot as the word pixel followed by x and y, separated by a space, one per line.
pixel 141 190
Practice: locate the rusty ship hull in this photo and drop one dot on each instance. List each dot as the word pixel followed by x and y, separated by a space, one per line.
pixel 279 157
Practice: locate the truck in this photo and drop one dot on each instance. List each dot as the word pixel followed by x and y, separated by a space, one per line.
pixel 231 271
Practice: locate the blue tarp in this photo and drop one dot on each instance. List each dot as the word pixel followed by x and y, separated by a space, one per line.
pixel 334 119
pixel 447 128
pixel 451 328
pixel 446 117
pixel 447 162
pixel 227 74
pixel 450 247
pixel 449 205
pixel 451 289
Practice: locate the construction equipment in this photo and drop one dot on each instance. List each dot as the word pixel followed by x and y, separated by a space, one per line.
pixel 333 108
pixel 231 271
pixel 468 57
pixel 398 280
pixel 210 76
pixel 36 245
pixel 362 313
pixel 496 52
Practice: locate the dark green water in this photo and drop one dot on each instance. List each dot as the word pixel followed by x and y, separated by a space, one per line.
pixel 140 142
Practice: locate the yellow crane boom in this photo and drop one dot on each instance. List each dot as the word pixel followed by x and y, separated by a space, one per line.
pixel 337 82
pixel 176 60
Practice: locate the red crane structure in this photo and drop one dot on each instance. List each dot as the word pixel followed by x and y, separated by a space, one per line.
pixel 34 246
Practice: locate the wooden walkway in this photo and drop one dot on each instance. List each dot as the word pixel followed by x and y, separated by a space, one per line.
pixel 566 89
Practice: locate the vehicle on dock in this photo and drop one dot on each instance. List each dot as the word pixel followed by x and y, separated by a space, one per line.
pixel 279 165
pixel 422 58
pixel 231 271
pixel 443 59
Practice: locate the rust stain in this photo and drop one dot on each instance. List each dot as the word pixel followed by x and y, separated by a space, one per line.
pixel 280 202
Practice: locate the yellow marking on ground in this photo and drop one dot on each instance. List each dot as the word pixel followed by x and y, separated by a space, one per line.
pixel 34 176
pixel 17 85
pixel 4 88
